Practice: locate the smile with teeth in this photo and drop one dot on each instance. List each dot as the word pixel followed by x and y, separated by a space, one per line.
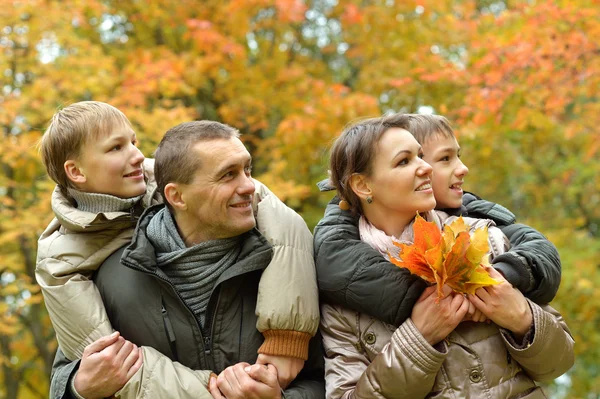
pixel 425 186
pixel 135 173
pixel 456 186
pixel 242 205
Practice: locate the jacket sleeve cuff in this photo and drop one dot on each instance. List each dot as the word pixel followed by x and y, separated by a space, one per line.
pixel 415 347
pixel 285 343
pixel 74 392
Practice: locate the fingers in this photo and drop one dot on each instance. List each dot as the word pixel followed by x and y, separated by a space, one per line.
pixel 427 292
pixel 478 303
pixel 214 389
pixel 132 358
pixel 483 294
pixel 464 307
pixel 137 365
pixel 101 344
pixel 124 351
pixel 267 375
pixel 446 290
pixel 495 274
pixel 471 311
pixel 228 383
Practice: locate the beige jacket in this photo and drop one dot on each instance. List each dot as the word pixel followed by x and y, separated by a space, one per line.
pixel 366 358
pixel 76 243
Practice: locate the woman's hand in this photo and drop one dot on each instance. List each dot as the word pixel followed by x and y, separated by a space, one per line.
pixel 436 320
pixel 504 305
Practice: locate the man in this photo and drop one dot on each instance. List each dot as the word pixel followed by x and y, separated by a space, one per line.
pixel 187 284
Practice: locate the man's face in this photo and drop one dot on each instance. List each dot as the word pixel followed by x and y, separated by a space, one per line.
pixel 219 198
pixel 443 154
pixel 112 164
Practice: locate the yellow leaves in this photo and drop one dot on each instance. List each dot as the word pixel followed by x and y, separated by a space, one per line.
pixel 455 257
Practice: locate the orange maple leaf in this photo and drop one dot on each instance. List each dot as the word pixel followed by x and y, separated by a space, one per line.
pixel 456 258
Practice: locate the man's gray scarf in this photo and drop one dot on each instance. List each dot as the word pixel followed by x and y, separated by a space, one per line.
pixel 192 270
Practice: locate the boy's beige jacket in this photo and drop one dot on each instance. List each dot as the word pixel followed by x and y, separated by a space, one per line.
pixel 366 358
pixel 76 243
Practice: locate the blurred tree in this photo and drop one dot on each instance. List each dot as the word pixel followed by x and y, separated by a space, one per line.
pixel 519 79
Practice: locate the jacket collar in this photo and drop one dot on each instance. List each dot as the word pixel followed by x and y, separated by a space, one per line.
pixel 79 221
pixel 255 253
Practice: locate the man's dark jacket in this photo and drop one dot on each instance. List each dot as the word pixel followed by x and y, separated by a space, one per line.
pixel 145 307
pixel 353 274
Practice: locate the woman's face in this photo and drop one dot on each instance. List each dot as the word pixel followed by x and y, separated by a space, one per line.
pixel 400 181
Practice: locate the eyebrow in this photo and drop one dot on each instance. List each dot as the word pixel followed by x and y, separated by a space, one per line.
pixel 449 149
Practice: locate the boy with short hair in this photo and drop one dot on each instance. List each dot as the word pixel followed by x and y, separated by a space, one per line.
pixel 103 185
pixel 358 282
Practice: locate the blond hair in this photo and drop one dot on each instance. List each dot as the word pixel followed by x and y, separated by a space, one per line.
pixel 70 129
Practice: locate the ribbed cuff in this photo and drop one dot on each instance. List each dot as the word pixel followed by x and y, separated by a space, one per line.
pixel 285 343
pixel 73 390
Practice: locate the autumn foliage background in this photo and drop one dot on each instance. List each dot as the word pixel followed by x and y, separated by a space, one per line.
pixel 519 79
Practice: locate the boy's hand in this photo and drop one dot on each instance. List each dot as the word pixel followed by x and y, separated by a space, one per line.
pixel 106 365
pixel 504 305
pixel 436 320
pixel 287 367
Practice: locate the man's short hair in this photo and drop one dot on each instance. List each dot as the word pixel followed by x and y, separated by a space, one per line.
pixel 427 127
pixel 175 162
pixel 71 128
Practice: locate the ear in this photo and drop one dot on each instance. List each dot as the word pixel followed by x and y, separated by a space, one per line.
pixel 174 196
pixel 74 172
pixel 359 183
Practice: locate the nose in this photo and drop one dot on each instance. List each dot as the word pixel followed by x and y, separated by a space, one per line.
pixel 136 155
pixel 247 186
pixel 461 170
pixel 424 168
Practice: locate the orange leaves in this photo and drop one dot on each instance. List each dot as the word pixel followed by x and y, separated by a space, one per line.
pixel 454 257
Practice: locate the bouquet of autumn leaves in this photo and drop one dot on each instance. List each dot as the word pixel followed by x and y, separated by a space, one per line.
pixel 453 257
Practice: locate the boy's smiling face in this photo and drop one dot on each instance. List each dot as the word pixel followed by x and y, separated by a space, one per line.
pixel 110 164
pixel 443 154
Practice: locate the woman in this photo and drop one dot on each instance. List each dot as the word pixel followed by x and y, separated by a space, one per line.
pixel 377 169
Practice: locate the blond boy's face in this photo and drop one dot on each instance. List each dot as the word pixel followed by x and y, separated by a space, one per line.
pixel 111 164
pixel 443 154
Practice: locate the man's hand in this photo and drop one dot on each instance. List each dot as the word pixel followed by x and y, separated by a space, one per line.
pixel 287 367
pixel 106 365
pixel 436 320
pixel 244 381
pixel 504 305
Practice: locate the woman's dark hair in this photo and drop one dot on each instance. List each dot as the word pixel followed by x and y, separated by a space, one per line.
pixel 354 150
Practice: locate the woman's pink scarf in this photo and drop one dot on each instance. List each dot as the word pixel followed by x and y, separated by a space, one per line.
pixel 385 244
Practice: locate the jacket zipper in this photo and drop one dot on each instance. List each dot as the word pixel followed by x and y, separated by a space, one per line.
pixel 169 329
pixel 168 281
pixel 208 333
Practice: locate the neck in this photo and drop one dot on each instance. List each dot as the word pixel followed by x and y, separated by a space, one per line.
pixel 393 224
pixel 189 231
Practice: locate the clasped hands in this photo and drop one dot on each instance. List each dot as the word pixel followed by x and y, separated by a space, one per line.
pixel 501 303
pixel 265 379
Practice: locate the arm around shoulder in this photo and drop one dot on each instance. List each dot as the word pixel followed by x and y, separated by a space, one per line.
pixel 353 274
pixel 288 304
pixel 532 264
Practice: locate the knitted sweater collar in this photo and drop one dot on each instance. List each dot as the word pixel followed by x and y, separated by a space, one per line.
pixel 99 203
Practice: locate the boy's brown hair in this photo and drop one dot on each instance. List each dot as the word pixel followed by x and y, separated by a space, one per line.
pixel 70 129
pixel 427 127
